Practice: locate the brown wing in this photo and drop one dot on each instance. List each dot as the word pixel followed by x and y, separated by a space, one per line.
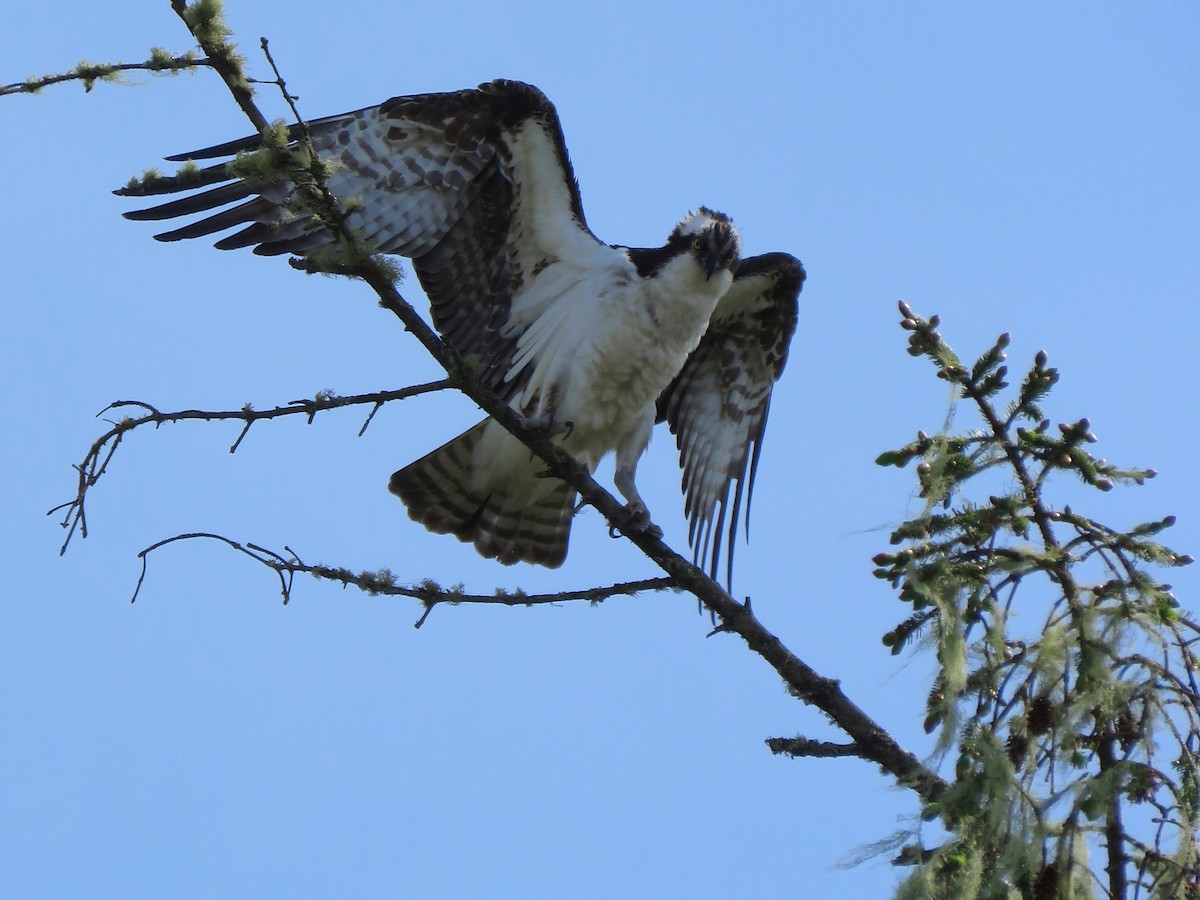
pixel 475 186
pixel 717 405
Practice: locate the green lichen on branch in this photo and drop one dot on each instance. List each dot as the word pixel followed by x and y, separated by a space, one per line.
pixel 153 181
pixel 206 20
pixel 160 62
pixel 89 73
pixel 286 155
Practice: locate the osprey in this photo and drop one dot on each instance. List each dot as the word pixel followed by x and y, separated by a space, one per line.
pixel 590 341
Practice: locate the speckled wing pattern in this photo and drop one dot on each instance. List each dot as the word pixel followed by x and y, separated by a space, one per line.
pixel 432 177
pixel 717 405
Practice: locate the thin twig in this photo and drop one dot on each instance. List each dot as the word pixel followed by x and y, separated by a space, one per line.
pixel 384 582
pixel 96 460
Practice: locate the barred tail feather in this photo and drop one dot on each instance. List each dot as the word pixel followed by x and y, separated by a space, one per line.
pixel 439 493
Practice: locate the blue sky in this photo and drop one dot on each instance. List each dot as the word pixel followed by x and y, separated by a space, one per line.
pixel 1016 169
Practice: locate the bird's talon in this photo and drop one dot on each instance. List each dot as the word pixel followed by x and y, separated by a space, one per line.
pixel 546 423
pixel 638 519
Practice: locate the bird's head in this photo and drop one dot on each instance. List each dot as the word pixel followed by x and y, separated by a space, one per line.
pixel 711 237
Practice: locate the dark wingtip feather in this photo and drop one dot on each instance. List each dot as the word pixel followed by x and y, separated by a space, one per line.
pixel 229 148
pixel 194 203
pixel 142 215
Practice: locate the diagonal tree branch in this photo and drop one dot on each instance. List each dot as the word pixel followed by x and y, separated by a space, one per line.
pixel 875 743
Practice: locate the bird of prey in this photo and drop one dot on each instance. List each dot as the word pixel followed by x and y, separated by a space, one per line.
pixel 591 342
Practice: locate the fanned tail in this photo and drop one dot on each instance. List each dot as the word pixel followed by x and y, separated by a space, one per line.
pixel 439 492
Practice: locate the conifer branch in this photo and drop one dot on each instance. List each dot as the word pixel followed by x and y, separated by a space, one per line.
pixel 1064 721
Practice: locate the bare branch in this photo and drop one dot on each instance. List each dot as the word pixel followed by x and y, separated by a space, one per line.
pixel 384 582
pixel 95 462
pixel 290 99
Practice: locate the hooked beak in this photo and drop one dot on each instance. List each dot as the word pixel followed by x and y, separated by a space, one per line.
pixel 711 263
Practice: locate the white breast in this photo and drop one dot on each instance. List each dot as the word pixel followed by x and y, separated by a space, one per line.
pixel 599 343
pixel 639 339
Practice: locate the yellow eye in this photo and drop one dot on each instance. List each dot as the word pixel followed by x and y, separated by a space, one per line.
pixel 696 243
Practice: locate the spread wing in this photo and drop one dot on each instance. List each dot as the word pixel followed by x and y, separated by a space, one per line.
pixel 717 405
pixel 474 186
